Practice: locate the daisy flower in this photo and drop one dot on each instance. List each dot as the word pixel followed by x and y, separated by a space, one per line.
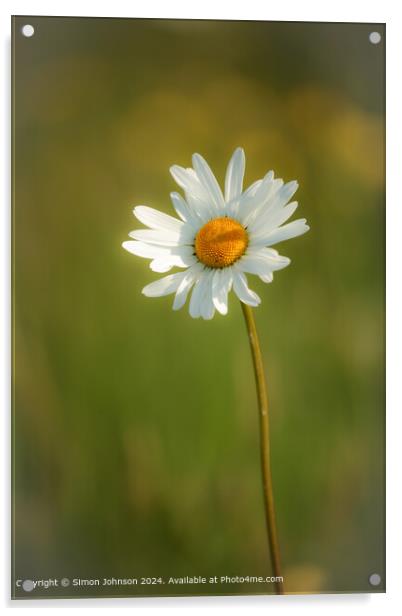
pixel 218 238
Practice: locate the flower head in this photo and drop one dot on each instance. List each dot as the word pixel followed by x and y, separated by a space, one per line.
pixel 217 239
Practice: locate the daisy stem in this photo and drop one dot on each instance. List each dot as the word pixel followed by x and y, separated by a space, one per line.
pixel 265 445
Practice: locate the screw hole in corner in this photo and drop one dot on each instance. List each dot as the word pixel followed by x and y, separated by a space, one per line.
pixel 375 579
pixel 375 38
pixel 28 30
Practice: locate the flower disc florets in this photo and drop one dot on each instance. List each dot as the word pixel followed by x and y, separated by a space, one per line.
pixel 221 242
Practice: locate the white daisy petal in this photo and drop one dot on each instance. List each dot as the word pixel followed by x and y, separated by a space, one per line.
pixel 234 175
pixel 283 214
pixel 185 180
pixel 270 255
pixel 221 285
pixel 157 220
pixel 285 193
pixel 164 286
pixel 233 206
pixel 267 277
pixel 188 180
pixel 141 249
pixel 208 180
pixel 292 229
pixel 253 265
pixel 197 295
pixel 189 279
pixel 217 289
pixel 240 287
pixel 161 266
pixel 180 206
pixel 264 190
pixel 204 210
pixel 262 264
pixel 186 213
pixel 182 254
pixel 252 189
pixel 165 263
pixel 193 174
pixel 196 194
pixel 273 218
pixel 207 308
pixel 158 237
pixel 251 205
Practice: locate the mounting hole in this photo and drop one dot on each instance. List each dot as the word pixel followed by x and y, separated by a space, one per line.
pixel 375 579
pixel 28 585
pixel 375 38
pixel 28 30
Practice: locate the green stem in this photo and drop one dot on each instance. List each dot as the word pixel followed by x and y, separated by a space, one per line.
pixel 265 446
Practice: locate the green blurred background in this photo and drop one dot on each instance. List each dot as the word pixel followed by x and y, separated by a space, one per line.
pixel 136 446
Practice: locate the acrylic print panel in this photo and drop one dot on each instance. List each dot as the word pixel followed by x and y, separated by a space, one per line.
pixel 140 448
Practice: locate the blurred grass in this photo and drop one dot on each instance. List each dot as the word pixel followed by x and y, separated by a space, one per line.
pixel 136 428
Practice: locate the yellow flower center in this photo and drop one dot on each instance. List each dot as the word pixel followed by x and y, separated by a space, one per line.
pixel 220 242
